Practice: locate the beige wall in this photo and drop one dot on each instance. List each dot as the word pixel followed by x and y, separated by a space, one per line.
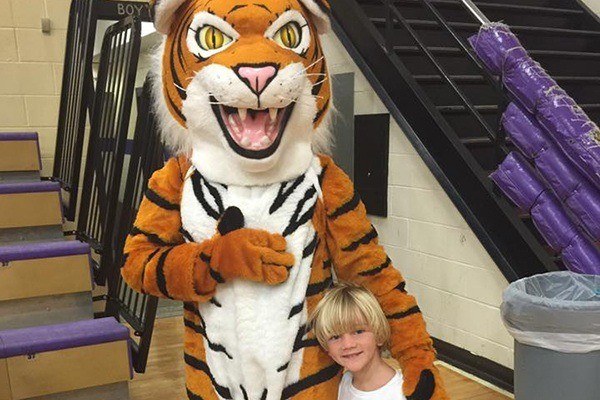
pixel 458 286
pixel 594 5
pixel 31 68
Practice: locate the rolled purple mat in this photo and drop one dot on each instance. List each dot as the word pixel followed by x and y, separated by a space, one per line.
pixel 524 131
pixel 492 43
pixel 584 202
pixel 527 81
pixel 562 176
pixel 518 181
pixel 573 131
pixel 552 221
pixel 582 256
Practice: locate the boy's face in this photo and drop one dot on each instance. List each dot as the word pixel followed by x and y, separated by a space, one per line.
pixel 354 350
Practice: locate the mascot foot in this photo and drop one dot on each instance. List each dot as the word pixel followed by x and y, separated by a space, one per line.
pixel 425 387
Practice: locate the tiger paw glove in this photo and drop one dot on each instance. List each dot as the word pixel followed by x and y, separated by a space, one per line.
pixel 423 384
pixel 251 254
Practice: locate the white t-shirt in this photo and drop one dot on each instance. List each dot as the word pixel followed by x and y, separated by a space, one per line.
pixel 390 391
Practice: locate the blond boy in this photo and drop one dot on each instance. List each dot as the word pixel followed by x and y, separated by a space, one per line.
pixel 351 326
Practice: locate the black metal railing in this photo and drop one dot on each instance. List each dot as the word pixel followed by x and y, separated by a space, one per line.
pixel 510 243
pixel 108 136
pixel 138 310
pixel 75 102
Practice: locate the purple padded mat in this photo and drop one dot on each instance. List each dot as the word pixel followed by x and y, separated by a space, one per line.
pixel 29 251
pixel 552 221
pixel 524 131
pixel 573 131
pixel 585 204
pixel 527 81
pixel 18 342
pixel 518 181
pixel 582 256
pixel 15 136
pixel 29 187
pixel 492 43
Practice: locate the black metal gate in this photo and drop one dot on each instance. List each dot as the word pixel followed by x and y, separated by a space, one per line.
pixel 76 100
pixel 108 137
pixel 138 310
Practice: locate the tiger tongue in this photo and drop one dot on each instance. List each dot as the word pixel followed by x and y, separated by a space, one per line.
pixel 255 128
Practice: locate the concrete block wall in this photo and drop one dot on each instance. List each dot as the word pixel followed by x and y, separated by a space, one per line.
pixel 457 284
pixel 31 69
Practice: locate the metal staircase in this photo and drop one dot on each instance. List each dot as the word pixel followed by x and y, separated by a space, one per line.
pixel 416 55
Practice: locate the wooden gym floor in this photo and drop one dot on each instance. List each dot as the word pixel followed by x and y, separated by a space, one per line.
pixel 164 377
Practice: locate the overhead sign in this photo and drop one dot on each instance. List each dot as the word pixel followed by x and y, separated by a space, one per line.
pixel 116 10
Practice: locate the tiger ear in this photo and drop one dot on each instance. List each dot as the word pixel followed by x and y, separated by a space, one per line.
pixel 320 10
pixel 162 13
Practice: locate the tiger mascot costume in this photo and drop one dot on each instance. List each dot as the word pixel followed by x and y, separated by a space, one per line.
pixel 247 223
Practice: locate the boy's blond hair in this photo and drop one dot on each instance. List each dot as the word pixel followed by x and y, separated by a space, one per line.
pixel 345 307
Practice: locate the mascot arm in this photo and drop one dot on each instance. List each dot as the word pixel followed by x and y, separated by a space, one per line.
pixel 157 259
pixel 160 263
pixel 357 257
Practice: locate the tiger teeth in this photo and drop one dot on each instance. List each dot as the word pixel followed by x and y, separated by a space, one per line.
pixel 231 120
pixel 273 113
pixel 246 141
pixel 265 141
pixel 243 113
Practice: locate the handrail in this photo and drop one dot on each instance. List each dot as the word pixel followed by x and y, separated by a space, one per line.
pixel 476 12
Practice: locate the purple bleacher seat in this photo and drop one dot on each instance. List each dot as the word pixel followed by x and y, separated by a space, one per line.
pixel 29 251
pixel 29 187
pixel 10 136
pixel 39 339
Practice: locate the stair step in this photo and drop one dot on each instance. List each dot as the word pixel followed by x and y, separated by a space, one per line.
pixel 45 283
pixel 27 207
pixel 67 361
pixel 532 37
pixel 19 156
pixel 455 62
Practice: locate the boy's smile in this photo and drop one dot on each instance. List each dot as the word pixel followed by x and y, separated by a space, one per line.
pixel 354 350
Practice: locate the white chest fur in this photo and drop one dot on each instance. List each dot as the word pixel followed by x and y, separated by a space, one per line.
pixel 251 327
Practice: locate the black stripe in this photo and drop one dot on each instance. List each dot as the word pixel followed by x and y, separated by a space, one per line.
pixel 161 280
pixel 376 270
pixel 144 266
pixel 346 207
pixel 197 186
pixel 237 7
pixel 312 380
pixel 296 222
pixel 216 195
pixel 308 250
pixel 152 237
pixel 186 234
pixel 410 311
pixel 318 287
pixel 216 276
pixel 401 287
pixel 321 111
pixel 205 257
pixel 283 367
pixel 192 396
pixel 263 6
pixel 300 343
pixel 296 309
pixel 244 393
pixel 200 365
pixel 372 234
pixel 219 348
pixel 214 302
pixel 264 395
pixel 283 194
pixel 320 78
pixel 191 308
pixel 160 201
pixel 327 264
pixel 175 108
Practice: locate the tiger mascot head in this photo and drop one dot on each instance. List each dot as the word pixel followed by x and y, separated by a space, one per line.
pixel 243 87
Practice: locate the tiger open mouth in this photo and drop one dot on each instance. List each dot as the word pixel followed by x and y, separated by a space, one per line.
pixel 252 133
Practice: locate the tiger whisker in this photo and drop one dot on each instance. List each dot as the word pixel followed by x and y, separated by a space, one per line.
pixel 179 87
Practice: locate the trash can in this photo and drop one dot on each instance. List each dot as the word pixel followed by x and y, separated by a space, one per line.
pixel 555 321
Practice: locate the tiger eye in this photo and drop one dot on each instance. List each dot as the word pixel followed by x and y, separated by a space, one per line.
pixel 211 38
pixel 289 35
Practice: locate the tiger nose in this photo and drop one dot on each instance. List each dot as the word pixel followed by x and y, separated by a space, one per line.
pixel 257 78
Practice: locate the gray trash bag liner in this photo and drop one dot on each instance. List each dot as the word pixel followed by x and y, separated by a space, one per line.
pixel 558 311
